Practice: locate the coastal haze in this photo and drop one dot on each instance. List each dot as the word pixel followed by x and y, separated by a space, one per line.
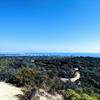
pixel 52 54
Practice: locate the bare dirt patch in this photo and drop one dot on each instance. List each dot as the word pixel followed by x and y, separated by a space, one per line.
pixel 9 92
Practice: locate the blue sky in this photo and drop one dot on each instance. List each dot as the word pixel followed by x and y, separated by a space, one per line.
pixel 50 25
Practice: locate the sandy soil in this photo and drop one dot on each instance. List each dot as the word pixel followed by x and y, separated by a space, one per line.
pixel 47 96
pixel 77 76
pixel 8 91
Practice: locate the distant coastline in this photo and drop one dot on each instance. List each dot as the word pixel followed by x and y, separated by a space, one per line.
pixel 52 54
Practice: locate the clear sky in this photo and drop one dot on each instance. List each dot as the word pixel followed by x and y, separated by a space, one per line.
pixel 50 25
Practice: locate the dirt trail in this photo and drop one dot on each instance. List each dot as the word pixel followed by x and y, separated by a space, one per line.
pixel 8 91
pixel 77 76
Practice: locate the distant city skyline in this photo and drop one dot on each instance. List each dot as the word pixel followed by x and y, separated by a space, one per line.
pixel 50 26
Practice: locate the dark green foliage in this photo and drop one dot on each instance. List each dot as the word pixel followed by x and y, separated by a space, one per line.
pixel 45 72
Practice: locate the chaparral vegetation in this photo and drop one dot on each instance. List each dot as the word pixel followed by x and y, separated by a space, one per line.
pixel 41 76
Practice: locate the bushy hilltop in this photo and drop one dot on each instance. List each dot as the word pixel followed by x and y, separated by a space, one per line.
pixel 35 73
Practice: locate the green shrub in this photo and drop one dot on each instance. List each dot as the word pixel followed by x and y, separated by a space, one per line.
pixel 25 76
pixel 75 95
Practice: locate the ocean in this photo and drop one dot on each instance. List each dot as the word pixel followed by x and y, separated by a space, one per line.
pixel 51 54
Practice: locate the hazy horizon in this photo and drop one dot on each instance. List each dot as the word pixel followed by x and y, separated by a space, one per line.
pixel 58 52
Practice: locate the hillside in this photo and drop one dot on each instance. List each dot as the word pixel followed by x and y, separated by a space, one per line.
pixel 45 73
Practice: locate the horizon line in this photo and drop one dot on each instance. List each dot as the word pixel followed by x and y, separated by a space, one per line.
pixel 22 52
